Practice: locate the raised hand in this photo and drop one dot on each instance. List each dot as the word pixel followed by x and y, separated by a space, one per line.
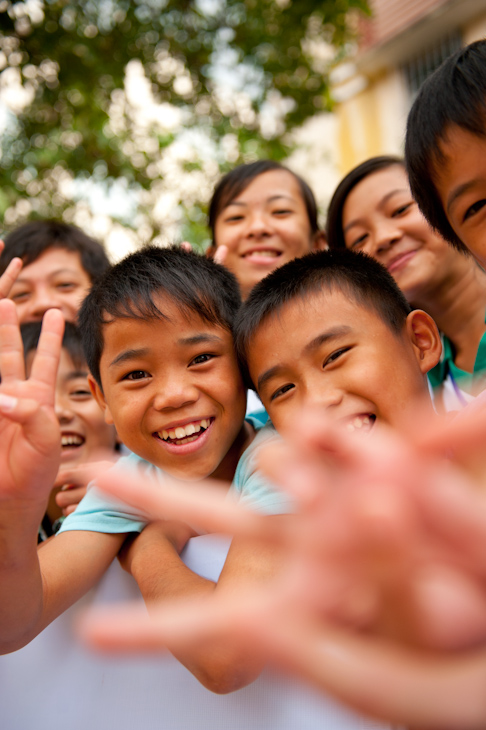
pixel 29 429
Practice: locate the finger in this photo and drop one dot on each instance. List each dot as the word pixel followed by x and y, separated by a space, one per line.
pixel 48 352
pixel 70 497
pixel 84 473
pixel 204 504
pixel 186 246
pixel 41 428
pixel 220 254
pixel 9 276
pixel 12 365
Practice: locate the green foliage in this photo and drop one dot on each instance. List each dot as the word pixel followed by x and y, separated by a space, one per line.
pixel 218 82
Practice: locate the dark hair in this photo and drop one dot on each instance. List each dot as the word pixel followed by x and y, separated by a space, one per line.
pixel 454 95
pixel 238 179
pixel 334 225
pixel 195 283
pixel 355 274
pixel 31 240
pixel 71 341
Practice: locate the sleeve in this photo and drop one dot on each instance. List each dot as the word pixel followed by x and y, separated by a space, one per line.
pixel 251 488
pixel 98 512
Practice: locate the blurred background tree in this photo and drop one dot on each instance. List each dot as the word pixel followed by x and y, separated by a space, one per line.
pixel 129 110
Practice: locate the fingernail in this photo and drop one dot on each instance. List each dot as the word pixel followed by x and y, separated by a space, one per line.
pixel 7 403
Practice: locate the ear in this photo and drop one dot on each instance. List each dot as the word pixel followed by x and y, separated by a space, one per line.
pixel 319 241
pixel 99 397
pixel 425 339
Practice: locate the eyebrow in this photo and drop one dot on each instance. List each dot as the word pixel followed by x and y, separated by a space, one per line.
pixel 76 374
pixel 22 279
pixel 460 190
pixel 198 339
pixel 267 200
pixel 332 334
pixel 385 199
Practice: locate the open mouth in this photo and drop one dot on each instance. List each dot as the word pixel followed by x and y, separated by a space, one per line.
pixel 363 423
pixel 72 440
pixel 262 255
pixel 185 434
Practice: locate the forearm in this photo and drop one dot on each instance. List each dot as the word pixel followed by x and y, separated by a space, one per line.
pixel 21 592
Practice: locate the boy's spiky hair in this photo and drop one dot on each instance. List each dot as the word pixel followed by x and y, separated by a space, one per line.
pixel 71 341
pixel 454 95
pixel 194 283
pixel 31 240
pixel 355 274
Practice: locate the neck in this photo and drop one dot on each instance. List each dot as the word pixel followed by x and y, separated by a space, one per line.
pixel 458 307
pixel 226 470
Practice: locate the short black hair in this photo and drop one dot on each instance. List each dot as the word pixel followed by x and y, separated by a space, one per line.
pixel 238 179
pixel 354 273
pixel 31 240
pixel 193 282
pixel 334 225
pixel 454 95
pixel 71 341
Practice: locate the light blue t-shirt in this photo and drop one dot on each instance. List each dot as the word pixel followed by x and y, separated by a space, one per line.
pixel 98 512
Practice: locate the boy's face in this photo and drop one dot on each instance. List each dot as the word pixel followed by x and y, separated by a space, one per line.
pixel 330 352
pixel 174 391
pixel 381 218
pixel 461 183
pixel 56 279
pixel 84 433
pixel 264 227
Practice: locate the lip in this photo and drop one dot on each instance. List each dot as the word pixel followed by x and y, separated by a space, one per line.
pixel 183 422
pixel 72 452
pixel 192 446
pixel 256 255
pixel 401 260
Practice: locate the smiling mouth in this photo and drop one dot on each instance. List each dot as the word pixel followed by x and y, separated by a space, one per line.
pixel 264 253
pixel 363 423
pixel 71 440
pixel 399 260
pixel 185 434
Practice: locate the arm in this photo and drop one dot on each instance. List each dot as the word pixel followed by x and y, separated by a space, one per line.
pixel 153 559
pixel 33 592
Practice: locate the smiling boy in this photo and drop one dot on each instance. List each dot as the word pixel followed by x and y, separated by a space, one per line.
pixel 157 334
pixel 445 149
pixel 333 330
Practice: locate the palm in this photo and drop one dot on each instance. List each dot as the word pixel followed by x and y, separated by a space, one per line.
pixel 29 433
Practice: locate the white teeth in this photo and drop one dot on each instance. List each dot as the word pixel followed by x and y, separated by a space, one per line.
pixel 180 434
pixel 71 440
pixel 360 422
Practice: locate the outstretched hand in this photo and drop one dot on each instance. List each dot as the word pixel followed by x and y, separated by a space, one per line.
pixel 29 429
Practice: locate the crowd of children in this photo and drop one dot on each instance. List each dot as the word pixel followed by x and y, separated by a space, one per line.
pixel 366 576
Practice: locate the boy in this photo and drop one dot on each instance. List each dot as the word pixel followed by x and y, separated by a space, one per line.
pixel 60 263
pixel 157 332
pixel 445 148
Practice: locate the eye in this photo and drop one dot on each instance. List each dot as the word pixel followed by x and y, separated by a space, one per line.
pixel 473 209
pixel 19 296
pixel 402 209
pixel 233 218
pixel 282 211
pixel 136 375
pixel 66 285
pixel 358 241
pixel 335 356
pixel 200 359
pixel 81 394
pixel 281 391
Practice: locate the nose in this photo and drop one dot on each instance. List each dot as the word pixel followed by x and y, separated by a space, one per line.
pixel 322 393
pixel 259 225
pixel 386 233
pixel 41 300
pixel 62 410
pixel 175 392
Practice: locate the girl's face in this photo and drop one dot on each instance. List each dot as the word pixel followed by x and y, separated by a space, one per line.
pixel 381 218
pixel 264 227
